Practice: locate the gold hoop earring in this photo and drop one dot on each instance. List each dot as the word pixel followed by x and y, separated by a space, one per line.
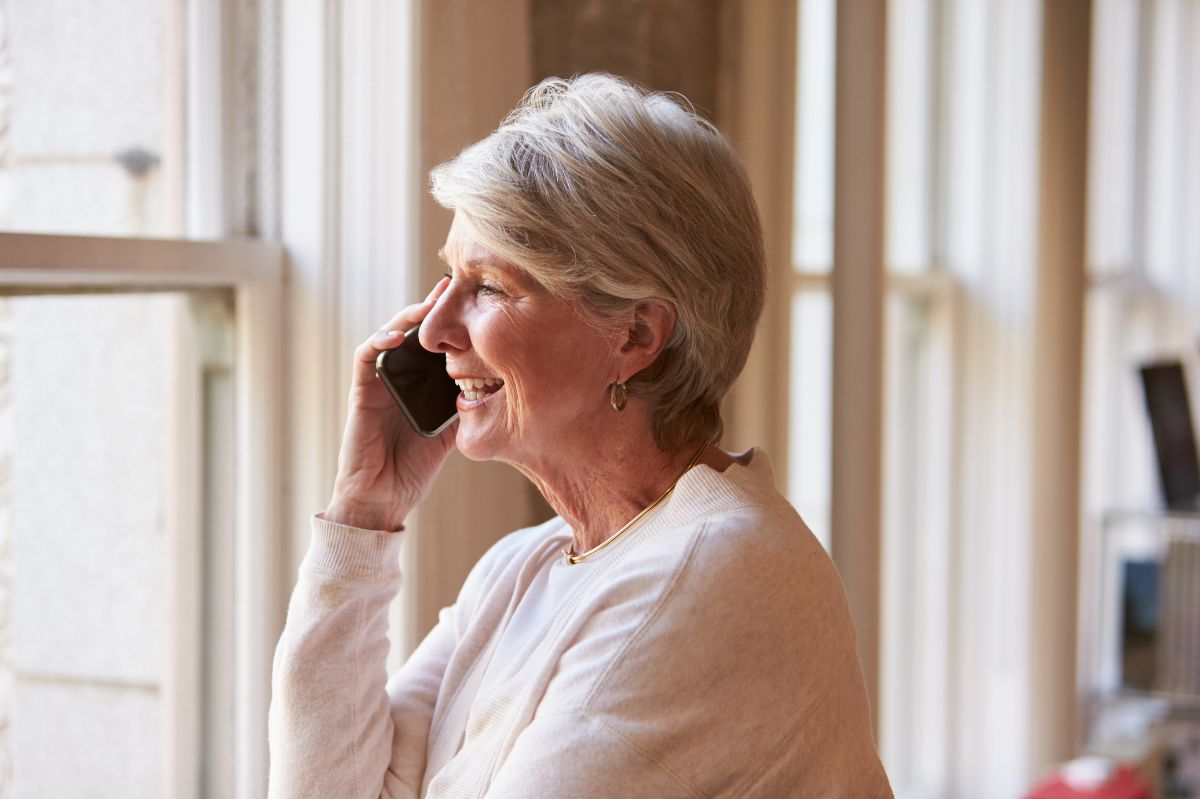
pixel 618 402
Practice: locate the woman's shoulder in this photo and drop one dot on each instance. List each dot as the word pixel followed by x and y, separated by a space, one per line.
pixel 758 561
pixel 730 554
pixel 742 634
pixel 742 523
pixel 744 493
pixel 740 564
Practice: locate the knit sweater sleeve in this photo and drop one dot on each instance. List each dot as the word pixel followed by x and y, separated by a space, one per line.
pixel 337 725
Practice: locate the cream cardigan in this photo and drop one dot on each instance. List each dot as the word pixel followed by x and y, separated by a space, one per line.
pixel 709 652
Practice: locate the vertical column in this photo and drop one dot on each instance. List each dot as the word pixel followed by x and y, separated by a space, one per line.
pixel 858 288
pixel 380 183
pixel 756 109
pixel 6 425
pixel 306 179
pixel 7 675
pixel 1058 359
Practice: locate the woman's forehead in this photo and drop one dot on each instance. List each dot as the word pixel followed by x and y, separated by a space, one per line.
pixel 476 258
pixel 480 260
pixel 463 251
pixel 463 248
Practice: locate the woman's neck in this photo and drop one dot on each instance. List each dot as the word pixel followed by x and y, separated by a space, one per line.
pixel 600 483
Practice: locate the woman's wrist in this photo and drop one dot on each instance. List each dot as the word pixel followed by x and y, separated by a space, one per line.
pixel 363 516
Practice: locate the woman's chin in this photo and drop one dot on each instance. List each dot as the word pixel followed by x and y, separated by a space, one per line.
pixel 475 445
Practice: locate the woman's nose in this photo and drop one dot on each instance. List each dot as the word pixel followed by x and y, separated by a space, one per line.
pixel 442 329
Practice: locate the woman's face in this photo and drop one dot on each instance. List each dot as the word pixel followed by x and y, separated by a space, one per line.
pixel 538 373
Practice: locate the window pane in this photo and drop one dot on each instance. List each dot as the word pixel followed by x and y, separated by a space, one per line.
pixel 1143 201
pixel 916 541
pixel 1166 155
pixel 1125 331
pixel 909 136
pixel 1112 168
pixel 1141 221
pixel 812 235
pixel 87 137
pixel 115 570
pixel 810 396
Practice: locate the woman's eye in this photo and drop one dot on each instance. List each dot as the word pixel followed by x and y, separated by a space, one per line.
pixel 487 288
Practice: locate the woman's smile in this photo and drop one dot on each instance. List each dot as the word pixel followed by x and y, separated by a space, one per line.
pixel 475 396
pixel 476 388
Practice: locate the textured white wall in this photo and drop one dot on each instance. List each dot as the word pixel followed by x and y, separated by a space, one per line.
pixel 87 549
pixel 86 83
pixel 83 382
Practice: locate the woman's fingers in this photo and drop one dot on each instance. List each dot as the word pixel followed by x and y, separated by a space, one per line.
pixel 392 334
pixel 412 316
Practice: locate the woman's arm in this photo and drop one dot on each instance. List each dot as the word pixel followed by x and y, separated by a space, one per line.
pixel 334 730
pixel 338 728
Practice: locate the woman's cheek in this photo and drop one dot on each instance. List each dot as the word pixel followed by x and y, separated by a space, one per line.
pixel 514 405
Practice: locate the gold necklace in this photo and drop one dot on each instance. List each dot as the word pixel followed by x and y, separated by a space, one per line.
pixel 573 559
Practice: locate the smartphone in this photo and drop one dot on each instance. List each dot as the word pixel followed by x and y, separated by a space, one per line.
pixel 416 378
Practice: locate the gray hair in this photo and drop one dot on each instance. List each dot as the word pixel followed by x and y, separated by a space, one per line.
pixel 609 195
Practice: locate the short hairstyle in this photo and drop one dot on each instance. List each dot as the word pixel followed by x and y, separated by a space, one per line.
pixel 609 195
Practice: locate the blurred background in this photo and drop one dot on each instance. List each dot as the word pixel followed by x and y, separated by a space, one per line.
pixel 983 225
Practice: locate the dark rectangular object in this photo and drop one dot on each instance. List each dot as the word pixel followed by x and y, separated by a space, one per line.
pixel 1174 439
pixel 1139 623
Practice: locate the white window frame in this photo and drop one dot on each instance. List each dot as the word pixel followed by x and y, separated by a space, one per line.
pixel 987 288
pixel 222 131
pixel 372 95
pixel 252 272
pixel 343 194
pixel 1143 298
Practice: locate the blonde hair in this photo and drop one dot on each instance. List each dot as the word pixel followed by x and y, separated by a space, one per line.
pixel 609 195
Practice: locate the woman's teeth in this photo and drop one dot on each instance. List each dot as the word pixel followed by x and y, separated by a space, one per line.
pixel 476 388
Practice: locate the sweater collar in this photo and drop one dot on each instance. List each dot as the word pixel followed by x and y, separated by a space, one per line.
pixel 749 480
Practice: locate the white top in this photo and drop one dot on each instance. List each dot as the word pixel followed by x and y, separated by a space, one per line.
pixel 537 606
pixel 708 652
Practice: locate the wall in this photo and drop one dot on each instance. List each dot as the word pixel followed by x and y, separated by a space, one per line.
pixel 669 45
pixel 82 545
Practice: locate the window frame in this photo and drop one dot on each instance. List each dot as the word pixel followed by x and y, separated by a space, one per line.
pixel 252 273
pixel 973 143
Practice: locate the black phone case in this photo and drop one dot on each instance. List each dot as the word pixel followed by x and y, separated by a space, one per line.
pixel 417 380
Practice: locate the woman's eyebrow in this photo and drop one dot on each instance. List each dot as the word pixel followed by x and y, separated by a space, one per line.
pixel 487 261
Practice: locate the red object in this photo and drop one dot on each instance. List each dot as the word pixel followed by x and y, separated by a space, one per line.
pixel 1123 785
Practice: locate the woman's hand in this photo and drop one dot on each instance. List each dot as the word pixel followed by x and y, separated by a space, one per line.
pixel 384 467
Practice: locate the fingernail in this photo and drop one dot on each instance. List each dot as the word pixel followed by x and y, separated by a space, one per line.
pixel 436 286
pixel 392 334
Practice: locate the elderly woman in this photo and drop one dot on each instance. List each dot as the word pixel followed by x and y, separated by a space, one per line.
pixel 675 630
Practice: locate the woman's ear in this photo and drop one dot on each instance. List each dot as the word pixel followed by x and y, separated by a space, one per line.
pixel 648 332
